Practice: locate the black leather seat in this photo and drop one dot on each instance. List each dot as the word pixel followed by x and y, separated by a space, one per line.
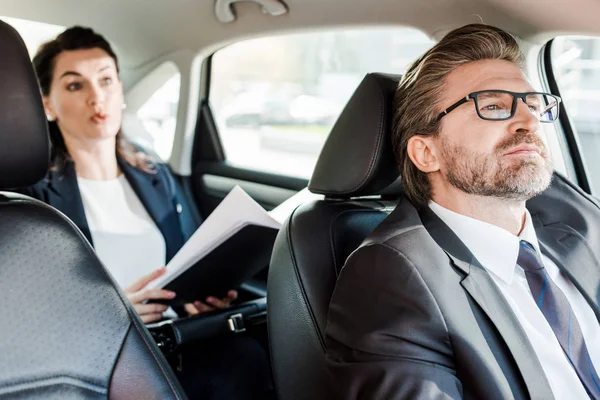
pixel 67 332
pixel 357 173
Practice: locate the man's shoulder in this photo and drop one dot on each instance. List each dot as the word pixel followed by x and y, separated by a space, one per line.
pixel 565 203
pixel 398 229
pixel 402 236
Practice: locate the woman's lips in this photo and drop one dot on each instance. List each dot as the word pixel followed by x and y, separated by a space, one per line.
pixel 99 118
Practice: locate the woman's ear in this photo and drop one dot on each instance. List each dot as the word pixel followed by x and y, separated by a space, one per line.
pixel 422 153
pixel 50 115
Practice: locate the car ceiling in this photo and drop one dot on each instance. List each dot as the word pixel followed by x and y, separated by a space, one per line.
pixel 144 30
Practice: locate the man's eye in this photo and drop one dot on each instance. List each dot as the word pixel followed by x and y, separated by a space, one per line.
pixel 107 81
pixel 492 107
pixel 71 87
pixel 534 107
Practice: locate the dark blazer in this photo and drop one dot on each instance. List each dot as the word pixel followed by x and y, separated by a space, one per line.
pixel 157 192
pixel 415 316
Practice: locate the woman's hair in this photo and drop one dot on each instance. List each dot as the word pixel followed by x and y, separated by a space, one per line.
pixel 418 94
pixel 44 62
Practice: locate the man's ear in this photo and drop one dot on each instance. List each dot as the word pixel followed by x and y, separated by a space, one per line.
pixel 422 153
pixel 50 115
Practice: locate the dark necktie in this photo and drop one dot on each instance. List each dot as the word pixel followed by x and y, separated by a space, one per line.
pixel 557 310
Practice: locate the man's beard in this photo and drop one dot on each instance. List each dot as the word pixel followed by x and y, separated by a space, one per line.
pixel 493 176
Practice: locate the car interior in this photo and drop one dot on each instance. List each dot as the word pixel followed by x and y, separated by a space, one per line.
pixel 289 100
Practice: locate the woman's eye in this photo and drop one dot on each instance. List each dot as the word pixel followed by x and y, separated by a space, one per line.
pixel 107 81
pixel 73 86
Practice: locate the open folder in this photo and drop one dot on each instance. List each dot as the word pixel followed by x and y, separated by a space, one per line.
pixel 233 244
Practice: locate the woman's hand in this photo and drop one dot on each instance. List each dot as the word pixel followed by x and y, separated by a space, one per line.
pixel 211 304
pixel 138 295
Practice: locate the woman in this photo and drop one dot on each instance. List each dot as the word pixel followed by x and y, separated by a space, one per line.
pixel 123 200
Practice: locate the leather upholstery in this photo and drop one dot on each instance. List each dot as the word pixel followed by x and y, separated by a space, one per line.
pixel 313 244
pixel 67 331
pixel 25 150
pixel 357 158
pixel 310 250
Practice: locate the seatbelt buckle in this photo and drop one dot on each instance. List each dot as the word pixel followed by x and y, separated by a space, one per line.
pixel 235 323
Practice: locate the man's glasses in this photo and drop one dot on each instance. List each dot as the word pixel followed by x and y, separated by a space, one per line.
pixel 500 105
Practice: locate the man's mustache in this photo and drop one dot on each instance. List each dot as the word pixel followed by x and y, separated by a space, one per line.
pixel 522 138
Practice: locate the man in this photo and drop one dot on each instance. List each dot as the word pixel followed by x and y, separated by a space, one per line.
pixel 463 291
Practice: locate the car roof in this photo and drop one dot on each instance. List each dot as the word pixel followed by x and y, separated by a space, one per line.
pixel 144 30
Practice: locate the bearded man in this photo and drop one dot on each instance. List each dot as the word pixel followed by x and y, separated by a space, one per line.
pixel 462 292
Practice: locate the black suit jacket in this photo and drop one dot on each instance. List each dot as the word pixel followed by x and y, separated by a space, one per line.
pixel 415 316
pixel 157 192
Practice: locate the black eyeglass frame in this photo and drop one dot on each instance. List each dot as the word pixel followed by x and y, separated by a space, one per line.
pixel 513 109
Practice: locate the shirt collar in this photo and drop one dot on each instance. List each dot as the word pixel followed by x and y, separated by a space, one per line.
pixel 495 248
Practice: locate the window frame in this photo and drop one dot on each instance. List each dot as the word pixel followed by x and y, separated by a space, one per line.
pixel 571 141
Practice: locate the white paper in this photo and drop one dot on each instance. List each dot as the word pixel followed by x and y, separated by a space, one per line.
pixel 236 210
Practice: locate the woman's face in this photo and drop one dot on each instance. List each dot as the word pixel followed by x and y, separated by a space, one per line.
pixel 86 95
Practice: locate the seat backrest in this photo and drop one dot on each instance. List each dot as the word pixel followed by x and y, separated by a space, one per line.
pixel 67 331
pixel 312 246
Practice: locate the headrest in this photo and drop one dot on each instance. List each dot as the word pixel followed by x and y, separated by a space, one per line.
pixel 357 159
pixel 24 141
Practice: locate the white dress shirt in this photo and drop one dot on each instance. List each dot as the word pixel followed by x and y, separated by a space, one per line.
pixel 497 250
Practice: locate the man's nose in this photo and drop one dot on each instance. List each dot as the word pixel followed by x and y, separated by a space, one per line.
pixel 524 119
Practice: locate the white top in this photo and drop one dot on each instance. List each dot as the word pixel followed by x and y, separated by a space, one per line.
pixel 497 250
pixel 125 237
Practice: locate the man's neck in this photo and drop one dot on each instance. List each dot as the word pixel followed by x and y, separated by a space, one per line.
pixel 94 160
pixel 504 213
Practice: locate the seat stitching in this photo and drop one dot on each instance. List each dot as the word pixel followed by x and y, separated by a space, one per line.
pixel 301 284
pixel 160 366
pixel 93 387
pixel 377 143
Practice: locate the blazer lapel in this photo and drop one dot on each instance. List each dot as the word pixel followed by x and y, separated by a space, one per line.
pixel 63 194
pixel 481 287
pixel 573 256
pixel 154 195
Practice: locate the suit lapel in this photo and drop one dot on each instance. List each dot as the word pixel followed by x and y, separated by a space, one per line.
pixel 63 194
pixel 481 287
pixel 572 255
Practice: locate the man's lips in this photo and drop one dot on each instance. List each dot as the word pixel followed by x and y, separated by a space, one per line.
pixel 524 149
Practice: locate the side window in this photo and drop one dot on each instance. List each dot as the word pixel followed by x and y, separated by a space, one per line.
pixel 275 99
pixel 576 65
pixel 152 118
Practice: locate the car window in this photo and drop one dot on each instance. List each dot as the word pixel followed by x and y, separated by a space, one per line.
pixel 158 116
pixel 275 99
pixel 576 65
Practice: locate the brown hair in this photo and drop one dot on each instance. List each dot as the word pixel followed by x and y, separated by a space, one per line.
pixel 79 38
pixel 417 98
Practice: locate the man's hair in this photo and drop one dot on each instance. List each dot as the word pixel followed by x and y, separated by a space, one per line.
pixel 417 98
